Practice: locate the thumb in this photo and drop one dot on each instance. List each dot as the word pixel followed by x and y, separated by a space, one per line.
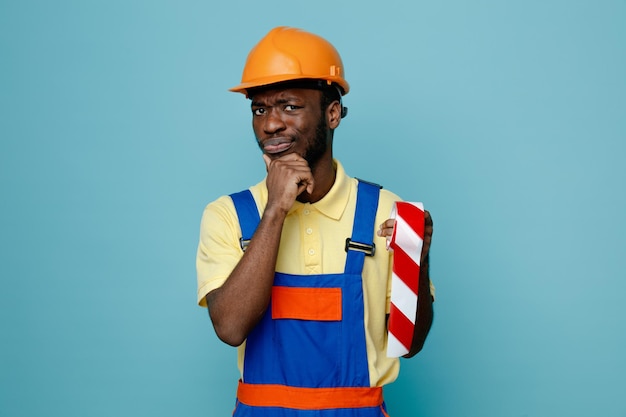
pixel 268 161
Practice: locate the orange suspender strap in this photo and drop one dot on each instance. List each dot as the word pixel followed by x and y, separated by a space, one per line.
pixel 271 395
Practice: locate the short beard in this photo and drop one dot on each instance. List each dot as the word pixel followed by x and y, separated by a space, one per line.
pixel 318 148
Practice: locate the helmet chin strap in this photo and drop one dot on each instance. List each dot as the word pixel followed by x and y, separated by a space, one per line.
pixel 344 110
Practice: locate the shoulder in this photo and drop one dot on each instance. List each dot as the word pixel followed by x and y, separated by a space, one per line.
pixel 224 208
pixel 386 198
pixel 219 217
pixel 386 202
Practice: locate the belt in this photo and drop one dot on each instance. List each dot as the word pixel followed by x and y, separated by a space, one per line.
pixel 274 395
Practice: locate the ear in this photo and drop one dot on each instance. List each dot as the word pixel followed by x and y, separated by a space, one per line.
pixel 333 114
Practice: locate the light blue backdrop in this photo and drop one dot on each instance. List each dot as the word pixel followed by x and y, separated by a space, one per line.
pixel 507 118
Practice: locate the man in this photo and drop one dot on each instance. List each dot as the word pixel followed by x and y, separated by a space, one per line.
pixel 293 271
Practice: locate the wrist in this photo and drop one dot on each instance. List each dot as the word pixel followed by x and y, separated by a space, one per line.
pixel 275 214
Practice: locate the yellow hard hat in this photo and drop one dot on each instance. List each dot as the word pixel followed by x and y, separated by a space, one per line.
pixel 288 54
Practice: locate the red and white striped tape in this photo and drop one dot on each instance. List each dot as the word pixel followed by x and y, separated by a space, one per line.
pixel 406 243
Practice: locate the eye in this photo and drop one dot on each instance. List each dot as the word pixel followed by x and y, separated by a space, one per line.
pixel 258 112
pixel 291 107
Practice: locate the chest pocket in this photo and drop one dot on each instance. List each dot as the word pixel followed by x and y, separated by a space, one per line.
pixel 302 303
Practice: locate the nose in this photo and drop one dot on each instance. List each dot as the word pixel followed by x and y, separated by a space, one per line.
pixel 273 122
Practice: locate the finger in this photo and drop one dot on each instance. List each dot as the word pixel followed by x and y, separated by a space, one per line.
pixel 428 220
pixel 428 223
pixel 428 234
pixel 268 161
pixel 305 182
pixel 386 228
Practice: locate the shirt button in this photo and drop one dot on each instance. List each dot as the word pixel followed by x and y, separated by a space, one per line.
pixel 311 252
pixel 309 231
pixel 307 211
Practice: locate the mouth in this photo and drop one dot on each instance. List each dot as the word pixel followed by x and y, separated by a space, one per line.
pixel 277 145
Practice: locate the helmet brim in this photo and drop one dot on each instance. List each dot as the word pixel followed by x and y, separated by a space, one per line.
pixel 279 79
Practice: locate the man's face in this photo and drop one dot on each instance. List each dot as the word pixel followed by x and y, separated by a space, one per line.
pixel 291 120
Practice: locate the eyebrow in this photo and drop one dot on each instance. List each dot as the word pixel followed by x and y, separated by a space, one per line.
pixel 285 100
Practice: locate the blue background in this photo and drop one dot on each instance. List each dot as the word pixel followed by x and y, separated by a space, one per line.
pixel 507 118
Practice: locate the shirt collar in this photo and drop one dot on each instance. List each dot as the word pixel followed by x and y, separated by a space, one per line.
pixel 335 201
